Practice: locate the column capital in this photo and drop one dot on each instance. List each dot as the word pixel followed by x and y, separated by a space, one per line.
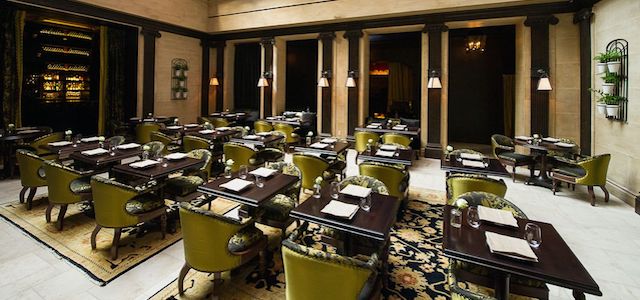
pixel 435 28
pixel 583 15
pixel 540 20
pixel 267 41
pixel 147 31
pixel 353 34
pixel 327 35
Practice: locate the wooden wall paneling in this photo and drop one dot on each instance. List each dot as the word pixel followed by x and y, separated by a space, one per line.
pixel 353 36
pixel 434 97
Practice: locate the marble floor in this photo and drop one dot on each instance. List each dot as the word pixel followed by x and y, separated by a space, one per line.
pixel 605 238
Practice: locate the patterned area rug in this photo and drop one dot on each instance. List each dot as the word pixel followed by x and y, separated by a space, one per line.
pixel 73 243
pixel 417 267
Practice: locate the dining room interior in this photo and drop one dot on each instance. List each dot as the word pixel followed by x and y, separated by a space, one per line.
pixel 333 149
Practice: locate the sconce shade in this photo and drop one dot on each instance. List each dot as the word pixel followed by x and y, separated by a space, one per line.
pixel 544 84
pixel 351 82
pixel 214 81
pixel 434 83
pixel 263 82
pixel 323 82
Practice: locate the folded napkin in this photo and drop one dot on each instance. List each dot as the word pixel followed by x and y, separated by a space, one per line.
pixel 316 154
pixel 236 184
pixel 472 163
pixel 191 125
pixel 128 146
pixel 175 127
pixel 372 126
pixel 523 137
pixel 175 156
pixel 89 139
pixel 562 144
pixel 389 147
pixel 143 164
pixel 96 151
pixel 223 128
pixel 356 191
pixel 385 153
pixel 551 139
pixel 268 133
pixel 59 144
pixel 510 246
pixel 497 216
pixel 340 209
pixel 472 156
pixel 263 172
pixel 206 131
pixel 319 145
pixel 251 137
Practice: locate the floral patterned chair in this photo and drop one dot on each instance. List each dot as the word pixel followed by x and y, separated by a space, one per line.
pixel 66 186
pixel 276 210
pixel 115 140
pixel 187 183
pixel 155 148
pixel 460 183
pixel 504 150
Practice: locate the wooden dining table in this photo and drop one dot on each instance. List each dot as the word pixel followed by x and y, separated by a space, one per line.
pixel 65 151
pixel 556 265
pixel 261 141
pixel 332 149
pixel 455 164
pixel 9 140
pixel 283 120
pixel 385 128
pixel 251 196
pixel 157 171
pixel 401 156
pixel 105 160
pixel 216 135
pixel 541 148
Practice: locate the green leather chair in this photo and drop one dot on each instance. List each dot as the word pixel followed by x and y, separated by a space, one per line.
pixel 311 167
pixel 157 149
pixel 460 272
pixel 188 182
pixel 374 184
pixel 202 120
pixel 32 174
pixel 394 178
pixel 242 131
pixel 38 144
pixel 396 138
pixel 290 136
pixel 276 210
pixel 262 126
pixel 459 183
pixel 144 130
pixel 241 155
pixel 234 243
pixel 315 275
pixel 362 139
pixel 190 142
pixel 66 186
pixel 220 122
pixel 504 150
pixel 115 140
pixel 168 141
pixel 118 206
pixel 590 171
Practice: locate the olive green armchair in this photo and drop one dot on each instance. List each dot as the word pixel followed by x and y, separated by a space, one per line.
pixel 589 171
pixel 262 126
pixel 241 155
pixel 156 148
pixel 311 167
pixel 119 206
pixel 313 274
pixel 170 143
pixel 220 122
pixel 290 136
pixel 397 139
pixel 66 186
pixel 32 175
pixel 504 150
pixel 460 183
pixel 234 243
pixel 362 139
pixel 190 142
pixel 188 182
pixel 276 210
pixel 374 184
pixel 144 130
pixel 468 273
pixel 396 179
pixel 38 144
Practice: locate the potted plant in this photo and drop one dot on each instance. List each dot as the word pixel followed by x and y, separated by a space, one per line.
pixel 613 105
pixel 185 70
pixel 613 61
pixel 600 105
pixel 601 65
pixel 609 85
pixel 177 70
pixel 176 92
pixel 184 93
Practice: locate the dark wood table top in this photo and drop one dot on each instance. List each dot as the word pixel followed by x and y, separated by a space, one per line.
pixel 542 146
pixel 375 224
pixel 263 141
pixel 156 119
pixel 402 156
pixel 557 264
pixel 105 159
pixel 383 128
pixel 229 115
pixel 332 150
pixel 495 168
pixel 216 135
pixel 158 171
pixel 291 121
pixel 252 195
pixel 182 130
pixel 65 151
pixel 23 133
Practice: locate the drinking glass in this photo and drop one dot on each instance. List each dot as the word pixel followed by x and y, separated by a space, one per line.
pixel 485 162
pixel 227 172
pixel 456 218
pixel 533 235
pixel 473 218
pixel 365 203
pixel 335 190
pixel 244 170
pixel 112 150
pixel 145 155
pixel 259 181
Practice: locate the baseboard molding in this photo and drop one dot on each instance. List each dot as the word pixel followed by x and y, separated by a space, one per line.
pixel 622 192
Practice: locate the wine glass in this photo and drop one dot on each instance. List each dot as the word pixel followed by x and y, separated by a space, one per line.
pixel 473 218
pixel 335 190
pixel 365 203
pixel 533 235
pixel 259 181
pixel 243 171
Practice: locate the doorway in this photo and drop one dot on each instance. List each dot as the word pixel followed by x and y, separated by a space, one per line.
pixel 481 85
pixel 246 96
pixel 302 76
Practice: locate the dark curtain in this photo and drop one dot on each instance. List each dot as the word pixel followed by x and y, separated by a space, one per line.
pixel 246 94
pixel 11 30
pixel 509 96
pixel 116 78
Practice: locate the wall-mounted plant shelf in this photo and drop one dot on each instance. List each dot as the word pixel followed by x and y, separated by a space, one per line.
pixel 179 74
pixel 620 69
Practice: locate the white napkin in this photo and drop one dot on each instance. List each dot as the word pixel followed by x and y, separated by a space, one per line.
pixel 316 154
pixel 356 191
pixel 319 145
pixel 340 209
pixel 175 156
pixel 472 163
pixel 222 128
pixel 143 163
pixel 251 137
pixel 389 147
pixel 372 126
pixel 399 127
pixel 551 139
pixel 523 137
pixel 267 133
pixel 174 127
pixel 191 125
pixel 384 153
pixel 263 172
pixel 59 144
pixel 96 151
pixel 236 184
pixel 207 131
pixel 89 139
pixel 328 140
pixel 562 144
pixel 497 216
pixel 472 156
pixel 128 146
pixel 510 246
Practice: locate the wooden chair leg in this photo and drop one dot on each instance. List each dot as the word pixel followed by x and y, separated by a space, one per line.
pixel 183 273
pixel 94 234
pixel 63 211
pixel 47 213
pixel 163 225
pixel 606 193
pixel 554 187
pixel 592 195
pixel 114 243
pixel 22 192
pixel 513 174
pixel 32 194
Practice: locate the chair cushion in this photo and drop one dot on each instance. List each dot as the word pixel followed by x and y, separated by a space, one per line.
pixel 515 157
pixel 244 239
pixel 183 185
pixel 278 207
pixel 80 186
pixel 143 203
pixel 570 170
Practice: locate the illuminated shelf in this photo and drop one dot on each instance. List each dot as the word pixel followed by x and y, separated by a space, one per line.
pixel 66 33
pixel 66 50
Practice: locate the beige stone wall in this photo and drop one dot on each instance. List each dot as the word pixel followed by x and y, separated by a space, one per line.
pixel 619 19
pixel 168 47
pixel 187 13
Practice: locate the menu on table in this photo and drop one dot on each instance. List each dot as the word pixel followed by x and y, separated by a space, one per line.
pixel 497 216
pixel 510 246
pixel 340 209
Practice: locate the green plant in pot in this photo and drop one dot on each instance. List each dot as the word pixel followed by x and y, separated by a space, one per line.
pixel 610 81
pixel 600 105
pixel 177 70
pixel 613 61
pixel 612 104
pixel 177 92
pixel 184 92
pixel 601 65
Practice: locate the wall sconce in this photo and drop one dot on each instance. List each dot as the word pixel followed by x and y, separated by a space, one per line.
pixel 475 43
pixel 214 81
pixel 543 83
pixel 263 81
pixel 324 81
pixel 351 78
pixel 434 80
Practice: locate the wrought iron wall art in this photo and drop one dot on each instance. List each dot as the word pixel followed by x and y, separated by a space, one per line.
pixel 179 75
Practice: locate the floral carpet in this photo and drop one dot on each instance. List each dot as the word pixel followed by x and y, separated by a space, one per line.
pixel 417 267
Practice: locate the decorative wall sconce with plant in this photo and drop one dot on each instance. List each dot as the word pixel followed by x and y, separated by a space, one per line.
pixel 179 73
pixel 614 66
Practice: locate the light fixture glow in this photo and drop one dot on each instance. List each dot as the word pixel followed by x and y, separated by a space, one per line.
pixel 475 43
pixel 262 82
pixel 323 82
pixel 214 81
pixel 351 82
pixel 543 83
pixel 434 81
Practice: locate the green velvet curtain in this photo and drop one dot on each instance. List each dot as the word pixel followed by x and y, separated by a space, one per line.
pixel 12 32
pixel 112 79
pixel 400 84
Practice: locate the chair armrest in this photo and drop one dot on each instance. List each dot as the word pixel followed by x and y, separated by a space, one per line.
pixel 506 148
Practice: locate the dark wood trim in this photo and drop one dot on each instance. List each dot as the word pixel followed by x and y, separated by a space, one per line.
pixel 204 94
pixel 267 43
pixel 148 69
pixel 220 74
pixel 353 36
pixel 327 65
pixel 539 60
pixel 583 19
pixel 434 96
pixel 101 13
